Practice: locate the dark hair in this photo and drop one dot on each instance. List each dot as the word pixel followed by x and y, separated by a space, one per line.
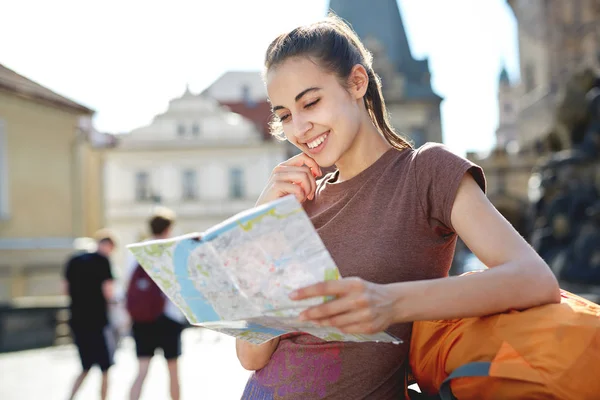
pixel 337 48
pixel 107 241
pixel 161 220
pixel 104 235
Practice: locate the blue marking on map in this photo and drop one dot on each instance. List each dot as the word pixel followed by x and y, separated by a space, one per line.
pixel 281 262
pixel 263 329
pixel 192 296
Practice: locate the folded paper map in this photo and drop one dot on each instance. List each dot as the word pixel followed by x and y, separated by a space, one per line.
pixel 235 278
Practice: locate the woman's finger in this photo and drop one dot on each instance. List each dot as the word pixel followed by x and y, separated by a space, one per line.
pixel 285 187
pixel 299 176
pixel 329 288
pixel 353 317
pixel 302 159
pixel 331 308
pixel 312 180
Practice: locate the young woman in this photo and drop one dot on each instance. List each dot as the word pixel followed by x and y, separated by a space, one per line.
pixel 389 215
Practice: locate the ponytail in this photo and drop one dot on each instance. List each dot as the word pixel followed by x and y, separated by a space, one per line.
pixel 375 105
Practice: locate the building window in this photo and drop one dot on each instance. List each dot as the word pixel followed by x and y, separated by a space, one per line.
pixel 236 183
pixel 196 129
pixel 247 97
pixel 4 196
pixel 189 184
pixel 181 129
pixel 142 186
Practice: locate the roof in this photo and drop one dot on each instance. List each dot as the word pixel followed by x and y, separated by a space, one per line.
pixel 24 87
pixel 244 93
pixel 504 76
pixel 259 113
pixel 238 86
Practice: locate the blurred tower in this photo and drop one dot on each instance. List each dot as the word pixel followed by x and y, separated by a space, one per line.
pixel 507 112
pixel 413 105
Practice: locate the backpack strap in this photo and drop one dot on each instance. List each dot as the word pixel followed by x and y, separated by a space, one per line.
pixel 470 370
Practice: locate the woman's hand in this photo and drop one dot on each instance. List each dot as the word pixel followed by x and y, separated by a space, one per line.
pixel 359 306
pixel 295 176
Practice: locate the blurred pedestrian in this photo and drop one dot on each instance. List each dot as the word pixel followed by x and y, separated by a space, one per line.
pixel 88 281
pixel 157 322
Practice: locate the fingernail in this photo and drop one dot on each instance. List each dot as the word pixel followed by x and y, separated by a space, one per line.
pixel 293 295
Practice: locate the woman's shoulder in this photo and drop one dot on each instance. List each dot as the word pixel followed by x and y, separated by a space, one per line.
pixel 432 155
pixel 434 149
pixel 436 162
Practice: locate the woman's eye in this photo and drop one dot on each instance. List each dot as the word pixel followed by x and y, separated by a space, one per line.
pixel 284 117
pixel 312 103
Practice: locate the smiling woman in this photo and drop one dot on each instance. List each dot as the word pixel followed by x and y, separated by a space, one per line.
pixel 389 215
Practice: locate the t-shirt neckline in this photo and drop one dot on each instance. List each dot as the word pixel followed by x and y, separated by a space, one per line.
pixel 330 186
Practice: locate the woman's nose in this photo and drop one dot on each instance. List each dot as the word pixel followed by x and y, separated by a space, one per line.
pixel 301 126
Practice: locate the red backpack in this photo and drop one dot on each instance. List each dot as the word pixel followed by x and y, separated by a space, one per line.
pixel 145 300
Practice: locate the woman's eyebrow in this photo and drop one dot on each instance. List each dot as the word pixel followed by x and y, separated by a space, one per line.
pixel 299 96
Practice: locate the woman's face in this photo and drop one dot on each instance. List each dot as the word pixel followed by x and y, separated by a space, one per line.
pixel 319 115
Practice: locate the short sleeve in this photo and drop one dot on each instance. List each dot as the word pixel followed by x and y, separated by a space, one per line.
pixel 106 270
pixel 438 174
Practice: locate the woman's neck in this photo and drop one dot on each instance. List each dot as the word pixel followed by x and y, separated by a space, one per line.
pixel 368 146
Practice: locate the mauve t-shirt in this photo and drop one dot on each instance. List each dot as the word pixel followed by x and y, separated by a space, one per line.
pixel 390 223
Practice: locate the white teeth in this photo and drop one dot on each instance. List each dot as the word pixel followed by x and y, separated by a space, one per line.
pixel 316 142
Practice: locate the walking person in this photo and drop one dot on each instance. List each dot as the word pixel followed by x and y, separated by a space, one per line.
pixel 88 281
pixel 157 322
pixel 389 215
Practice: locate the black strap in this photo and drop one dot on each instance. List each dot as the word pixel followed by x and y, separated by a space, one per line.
pixel 414 395
pixel 469 370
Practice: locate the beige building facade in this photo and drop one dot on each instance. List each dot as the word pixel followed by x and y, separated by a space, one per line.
pixel 49 185
pixel 198 158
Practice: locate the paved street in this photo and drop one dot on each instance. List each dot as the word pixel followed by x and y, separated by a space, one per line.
pixel 209 370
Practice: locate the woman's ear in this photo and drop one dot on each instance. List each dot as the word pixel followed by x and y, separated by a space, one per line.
pixel 358 81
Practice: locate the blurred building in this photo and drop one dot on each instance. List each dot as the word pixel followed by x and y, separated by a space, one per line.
pixel 198 158
pixel 556 39
pixel 50 190
pixel 413 105
pixel 244 93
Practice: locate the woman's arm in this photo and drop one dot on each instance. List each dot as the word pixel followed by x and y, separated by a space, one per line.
pixel 254 357
pixel 518 278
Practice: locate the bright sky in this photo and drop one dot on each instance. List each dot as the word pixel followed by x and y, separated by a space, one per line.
pixel 127 59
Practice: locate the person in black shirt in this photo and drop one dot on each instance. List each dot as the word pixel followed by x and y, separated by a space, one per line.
pixel 89 284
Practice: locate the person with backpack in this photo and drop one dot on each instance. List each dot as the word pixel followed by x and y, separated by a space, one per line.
pixel 88 281
pixel 156 321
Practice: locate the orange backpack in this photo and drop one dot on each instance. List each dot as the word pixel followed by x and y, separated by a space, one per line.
pixel 546 352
